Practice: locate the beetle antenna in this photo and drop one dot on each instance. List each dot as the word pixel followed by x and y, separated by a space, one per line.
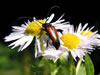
pixel 51 9
pixel 38 24
pixel 20 18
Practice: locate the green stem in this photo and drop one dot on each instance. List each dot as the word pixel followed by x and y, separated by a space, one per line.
pixel 71 64
pixel 41 45
pixel 78 66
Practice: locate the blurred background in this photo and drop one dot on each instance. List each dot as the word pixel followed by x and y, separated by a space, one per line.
pixel 24 63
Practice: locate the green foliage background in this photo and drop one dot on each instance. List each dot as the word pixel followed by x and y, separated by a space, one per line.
pixel 9 64
pixel 24 63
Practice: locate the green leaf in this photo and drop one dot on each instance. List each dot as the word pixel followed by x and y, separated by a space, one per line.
pixel 55 71
pixel 89 65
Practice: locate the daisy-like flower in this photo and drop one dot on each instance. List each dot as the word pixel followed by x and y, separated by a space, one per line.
pixel 78 42
pixel 23 35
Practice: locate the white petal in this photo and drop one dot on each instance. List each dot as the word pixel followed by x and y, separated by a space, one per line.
pixel 13 37
pixel 74 55
pixel 79 28
pixel 86 31
pixel 38 45
pixel 36 51
pixel 61 17
pixel 78 53
pixel 23 25
pixel 52 53
pixel 30 38
pixel 20 42
pixel 34 18
pixel 59 20
pixel 50 18
pixel 84 27
pixel 91 28
pixel 18 27
pixel 63 48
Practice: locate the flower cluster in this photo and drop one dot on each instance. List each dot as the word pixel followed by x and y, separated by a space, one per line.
pixel 77 41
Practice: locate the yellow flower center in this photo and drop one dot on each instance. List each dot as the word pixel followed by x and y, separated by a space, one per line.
pixel 70 40
pixel 34 29
pixel 86 34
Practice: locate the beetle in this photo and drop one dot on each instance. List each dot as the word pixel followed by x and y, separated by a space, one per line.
pixel 52 33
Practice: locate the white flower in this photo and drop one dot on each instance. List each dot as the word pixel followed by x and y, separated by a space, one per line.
pixel 78 42
pixel 24 34
pixel 52 53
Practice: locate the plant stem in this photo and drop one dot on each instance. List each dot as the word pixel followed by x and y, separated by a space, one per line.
pixel 41 45
pixel 78 66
